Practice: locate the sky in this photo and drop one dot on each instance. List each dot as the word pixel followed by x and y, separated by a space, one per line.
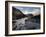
pixel 29 10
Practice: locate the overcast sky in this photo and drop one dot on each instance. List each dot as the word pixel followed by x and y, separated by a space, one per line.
pixel 28 10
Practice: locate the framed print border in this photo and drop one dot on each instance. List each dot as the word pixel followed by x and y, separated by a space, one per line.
pixel 6 18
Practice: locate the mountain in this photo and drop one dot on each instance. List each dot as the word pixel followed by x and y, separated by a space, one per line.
pixel 17 14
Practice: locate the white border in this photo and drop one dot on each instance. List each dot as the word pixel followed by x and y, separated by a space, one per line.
pixel 24 5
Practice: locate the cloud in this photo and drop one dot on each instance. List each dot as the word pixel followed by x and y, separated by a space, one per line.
pixel 34 12
pixel 20 8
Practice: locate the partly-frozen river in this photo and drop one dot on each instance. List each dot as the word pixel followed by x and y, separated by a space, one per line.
pixel 25 24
